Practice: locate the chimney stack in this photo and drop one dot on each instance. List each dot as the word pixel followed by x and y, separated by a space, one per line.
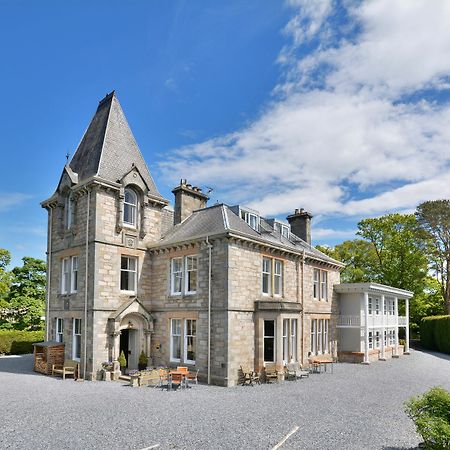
pixel 188 198
pixel 300 223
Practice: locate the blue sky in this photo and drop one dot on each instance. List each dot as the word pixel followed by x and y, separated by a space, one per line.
pixel 341 108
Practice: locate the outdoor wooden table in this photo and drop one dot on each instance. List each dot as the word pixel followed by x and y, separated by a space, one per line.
pixel 179 372
pixel 323 363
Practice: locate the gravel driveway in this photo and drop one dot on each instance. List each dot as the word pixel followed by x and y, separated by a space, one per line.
pixel 356 407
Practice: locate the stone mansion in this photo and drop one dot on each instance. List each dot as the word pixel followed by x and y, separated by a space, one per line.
pixel 210 287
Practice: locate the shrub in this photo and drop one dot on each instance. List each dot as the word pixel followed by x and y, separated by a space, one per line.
pixel 122 360
pixel 15 342
pixel 435 333
pixel 143 360
pixel 431 415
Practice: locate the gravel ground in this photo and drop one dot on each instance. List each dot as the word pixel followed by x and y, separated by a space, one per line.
pixel 356 407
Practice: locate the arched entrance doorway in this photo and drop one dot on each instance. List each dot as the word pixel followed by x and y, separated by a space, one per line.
pixel 132 339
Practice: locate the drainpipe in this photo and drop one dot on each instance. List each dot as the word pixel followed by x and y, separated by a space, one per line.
pixel 49 272
pixel 86 281
pixel 303 305
pixel 209 308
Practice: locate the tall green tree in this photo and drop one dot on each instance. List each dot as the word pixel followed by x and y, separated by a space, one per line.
pixel 434 218
pixel 24 305
pixel 400 249
pixel 5 276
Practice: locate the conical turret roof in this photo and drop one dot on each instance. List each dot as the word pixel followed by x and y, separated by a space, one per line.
pixel 108 148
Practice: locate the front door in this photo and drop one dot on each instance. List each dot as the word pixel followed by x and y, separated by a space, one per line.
pixel 124 343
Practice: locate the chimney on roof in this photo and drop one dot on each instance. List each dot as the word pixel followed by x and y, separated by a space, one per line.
pixel 187 200
pixel 300 223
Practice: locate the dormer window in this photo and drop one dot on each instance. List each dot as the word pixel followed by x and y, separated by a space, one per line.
pixel 251 219
pixel 282 228
pixel 130 208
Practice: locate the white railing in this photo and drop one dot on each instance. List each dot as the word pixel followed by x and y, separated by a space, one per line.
pixel 349 321
pixel 402 321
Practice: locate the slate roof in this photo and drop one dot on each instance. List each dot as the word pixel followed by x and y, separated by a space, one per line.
pixel 108 148
pixel 220 219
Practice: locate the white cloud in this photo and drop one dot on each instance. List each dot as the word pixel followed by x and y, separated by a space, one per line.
pixel 10 199
pixel 342 141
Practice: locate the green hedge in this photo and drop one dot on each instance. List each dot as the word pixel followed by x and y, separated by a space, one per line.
pixel 435 333
pixel 14 342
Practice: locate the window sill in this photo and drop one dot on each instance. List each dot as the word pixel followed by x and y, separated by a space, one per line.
pixel 124 292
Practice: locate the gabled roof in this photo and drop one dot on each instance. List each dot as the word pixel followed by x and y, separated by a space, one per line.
pixel 220 219
pixel 108 148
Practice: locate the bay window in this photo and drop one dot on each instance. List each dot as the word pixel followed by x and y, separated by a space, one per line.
pixel 269 341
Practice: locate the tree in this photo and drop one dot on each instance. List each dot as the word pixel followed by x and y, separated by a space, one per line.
pixel 359 258
pixel 400 249
pixel 434 218
pixel 24 305
pixel 5 276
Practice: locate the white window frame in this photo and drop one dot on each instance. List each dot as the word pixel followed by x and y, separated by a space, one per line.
pixel 59 329
pixel 284 231
pixel 370 305
pixel 319 336
pixel 316 284
pixel 285 341
pixel 69 211
pixel 313 346
pixel 326 340
pixel 176 275
pixel 187 270
pixel 76 336
pixel 65 275
pixel 324 285
pixel 178 335
pixel 370 340
pixel 278 275
pixel 194 338
pixel 273 337
pixel 266 273
pixel 74 263
pixel 293 339
pixel 132 207
pixel 129 271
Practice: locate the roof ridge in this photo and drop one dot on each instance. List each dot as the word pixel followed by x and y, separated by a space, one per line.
pixel 109 96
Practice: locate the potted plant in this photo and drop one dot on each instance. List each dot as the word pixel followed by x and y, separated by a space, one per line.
pixel 122 361
pixel 143 361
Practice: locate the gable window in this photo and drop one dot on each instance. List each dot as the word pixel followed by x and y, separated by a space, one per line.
pixel 175 340
pixel 285 231
pixel 272 277
pixel 269 341
pixel 74 274
pixel 128 273
pixel 130 208
pixel 76 339
pixel 65 283
pixel 59 330
pixel 69 211
pixel 183 275
pixel 190 332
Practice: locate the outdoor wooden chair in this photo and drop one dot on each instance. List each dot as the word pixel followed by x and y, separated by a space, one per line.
pixel 175 379
pixel 271 373
pixel 293 371
pixel 182 369
pixel 248 377
pixel 164 378
pixel 192 376
pixel 70 367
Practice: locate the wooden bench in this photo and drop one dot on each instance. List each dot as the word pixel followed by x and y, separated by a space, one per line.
pixel 70 367
pixel 294 370
pixel 247 377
